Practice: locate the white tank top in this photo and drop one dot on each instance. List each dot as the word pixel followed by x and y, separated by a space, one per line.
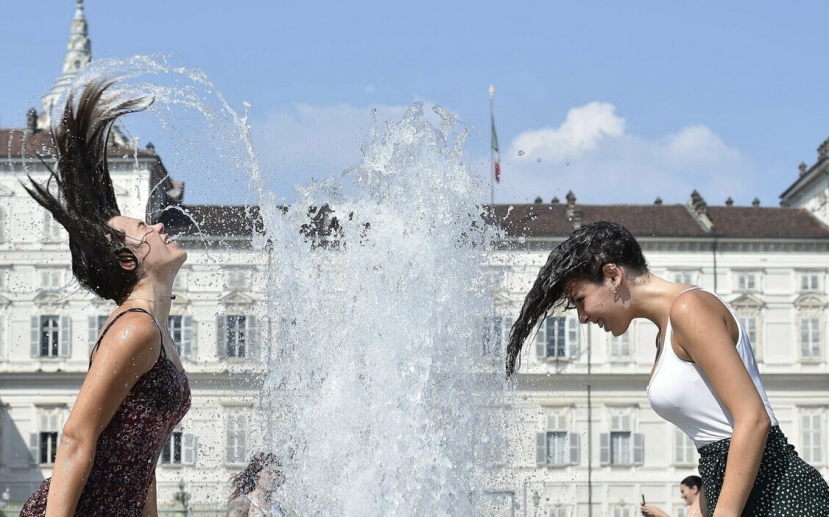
pixel 680 393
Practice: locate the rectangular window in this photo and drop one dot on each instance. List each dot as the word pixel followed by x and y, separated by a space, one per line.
pixel 48 447
pixel 558 448
pixel 52 230
pixel 620 445
pixel 44 443
pixel 810 337
pixel 685 453
pixel 809 282
pixel 558 338
pixel 622 511
pixel 683 277
pixel 747 281
pixel 172 449
pixel 236 447
pixel 236 278
pixel 51 278
pixel 181 330
pixel 619 347
pixel 236 336
pixel 750 325
pixel 811 433
pixel 558 511
pixel 49 336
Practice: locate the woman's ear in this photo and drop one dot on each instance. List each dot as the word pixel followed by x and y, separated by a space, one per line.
pixel 612 272
pixel 127 259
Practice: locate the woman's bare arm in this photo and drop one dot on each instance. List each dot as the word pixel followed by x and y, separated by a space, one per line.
pixel 151 506
pixel 700 325
pixel 129 350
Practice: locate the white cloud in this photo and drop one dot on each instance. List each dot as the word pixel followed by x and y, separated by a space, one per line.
pixel 592 154
pixel 583 129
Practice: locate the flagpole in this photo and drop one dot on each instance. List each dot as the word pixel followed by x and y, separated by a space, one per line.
pixel 491 153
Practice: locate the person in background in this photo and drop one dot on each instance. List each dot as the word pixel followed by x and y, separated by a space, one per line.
pixel 689 491
pixel 135 391
pixel 253 489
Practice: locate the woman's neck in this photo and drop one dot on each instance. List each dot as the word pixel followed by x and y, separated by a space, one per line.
pixel 156 300
pixel 652 298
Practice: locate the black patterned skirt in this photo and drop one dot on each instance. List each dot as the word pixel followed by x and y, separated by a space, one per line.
pixel 785 485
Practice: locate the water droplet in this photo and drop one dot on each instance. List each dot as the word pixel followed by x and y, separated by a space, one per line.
pixel 520 153
pixel 567 164
pixel 539 160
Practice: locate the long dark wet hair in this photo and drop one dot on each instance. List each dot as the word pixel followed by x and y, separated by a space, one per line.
pixel 85 199
pixel 580 257
pixel 244 482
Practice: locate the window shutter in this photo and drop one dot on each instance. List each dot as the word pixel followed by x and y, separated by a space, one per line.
pixel 230 445
pixel 252 334
pixel 575 448
pixel 34 448
pixel 497 334
pixel 604 448
pixel 187 336
pixel 541 341
pixel 638 448
pixel 541 449
pixel 188 449
pixel 65 336
pixel 221 337
pixel 92 327
pixel 573 338
pixel 35 338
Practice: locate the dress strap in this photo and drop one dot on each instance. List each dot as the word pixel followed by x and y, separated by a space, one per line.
pixel 134 309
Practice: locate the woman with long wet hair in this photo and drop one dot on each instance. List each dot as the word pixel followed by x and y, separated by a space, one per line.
pixel 253 488
pixel 135 392
pixel 704 380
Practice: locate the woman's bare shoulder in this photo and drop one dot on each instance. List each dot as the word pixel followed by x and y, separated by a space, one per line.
pixel 238 507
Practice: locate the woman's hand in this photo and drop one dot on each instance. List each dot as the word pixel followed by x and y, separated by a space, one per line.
pixel 652 511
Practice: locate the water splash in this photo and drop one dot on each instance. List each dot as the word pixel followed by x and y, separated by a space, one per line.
pixel 379 396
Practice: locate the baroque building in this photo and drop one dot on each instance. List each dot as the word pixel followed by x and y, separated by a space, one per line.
pixel 582 439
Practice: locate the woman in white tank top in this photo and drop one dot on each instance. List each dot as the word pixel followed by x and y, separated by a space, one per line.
pixel 747 467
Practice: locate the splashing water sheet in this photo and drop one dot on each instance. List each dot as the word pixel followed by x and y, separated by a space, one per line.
pixel 377 392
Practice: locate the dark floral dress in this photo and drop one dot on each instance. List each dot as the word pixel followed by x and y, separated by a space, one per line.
pixel 129 447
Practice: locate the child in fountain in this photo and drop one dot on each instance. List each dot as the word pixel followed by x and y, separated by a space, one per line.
pixel 746 465
pixel 253 489
pixel 135 392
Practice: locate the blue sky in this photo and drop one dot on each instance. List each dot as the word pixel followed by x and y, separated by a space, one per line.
pixel 619 101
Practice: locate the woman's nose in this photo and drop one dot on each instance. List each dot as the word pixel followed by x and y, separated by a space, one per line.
pixel 159 227
pixel 583 319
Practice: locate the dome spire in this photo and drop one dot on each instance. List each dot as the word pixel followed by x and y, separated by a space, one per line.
pixel 78 55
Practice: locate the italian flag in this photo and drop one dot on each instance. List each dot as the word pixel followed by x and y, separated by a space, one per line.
pixel 496 155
